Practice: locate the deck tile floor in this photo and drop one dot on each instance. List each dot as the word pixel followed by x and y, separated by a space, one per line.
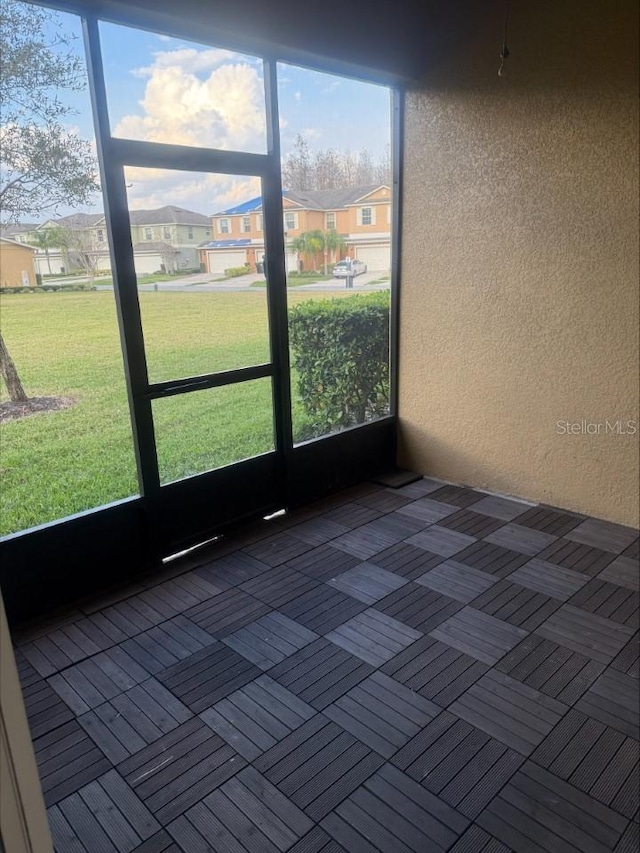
pixel 388 671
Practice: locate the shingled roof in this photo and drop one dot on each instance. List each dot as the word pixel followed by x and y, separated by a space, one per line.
pixel 169 214
pixel 308 199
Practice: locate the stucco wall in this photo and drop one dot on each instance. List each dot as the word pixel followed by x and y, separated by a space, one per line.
pixel 519 304
pixel 14 260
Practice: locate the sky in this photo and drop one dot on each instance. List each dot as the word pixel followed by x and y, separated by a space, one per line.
pixel 170 90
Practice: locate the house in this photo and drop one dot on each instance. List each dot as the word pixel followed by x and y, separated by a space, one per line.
pixel 361 215
pixel 17 267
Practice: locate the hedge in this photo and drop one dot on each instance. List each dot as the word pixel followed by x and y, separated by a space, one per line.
pixel 340 351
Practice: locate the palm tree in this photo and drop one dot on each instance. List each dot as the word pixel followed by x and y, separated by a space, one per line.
pixel 314 242
pixel 48 238
pixel 333 242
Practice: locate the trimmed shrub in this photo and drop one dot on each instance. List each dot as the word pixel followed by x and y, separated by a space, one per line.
pixel 341 354
pixel 234 272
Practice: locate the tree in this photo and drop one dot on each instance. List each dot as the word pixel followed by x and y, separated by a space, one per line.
pixel 330 169
pixel 43 164
pixel 316 242
pixel 79 249
pixel 48 238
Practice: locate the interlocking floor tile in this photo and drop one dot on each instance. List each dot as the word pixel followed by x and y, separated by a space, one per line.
pixel 524 540
pixel 456 495
pixel 381 713
pixel 419 488
pixel 553 669
pixel 435 670
pixel 630 840
pixel 104 815
pixel 503 508
pixel 365 542
pixel 246 813
pixel 317 841
pixel 352 515
pixel 384 500
pixel 581 558
pixel 509 711
pixel 276 550
pixel 367 582
pixel 595 758
pixel 609 600
pixel 537 811
pixel 256 717
pixel 320 673
pixel 549 579
pixel 603 534
pixel 397 525
pixel 179 769
pixel 208 676
pixel 492 559
pixel 270 639
pixel 374 637
pixel 418 607
pixel 472 523
pixel 428 511
pixel 232 570
pixel 439 540
pixel 316 531
pixel 227 612
pixel 323 608
pixel 515 604
pixel 461 764
pixel 614 699
pixel 477 634
pixel 407 560
pixel 587 633
pixel 628 658
pixel 134 719
pixel 166 644
pixel 161 842
pixel 457 581
pixel 476 840
pixel 67 759
pixel 323 563
pixel 45 709
pixel 395 814
pixel 279 586
pixel 623 571
pixel 318 766
pixel 549 520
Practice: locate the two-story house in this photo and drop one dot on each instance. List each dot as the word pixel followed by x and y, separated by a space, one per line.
pixel 361 215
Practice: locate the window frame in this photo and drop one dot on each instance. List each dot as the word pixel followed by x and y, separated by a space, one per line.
pixel 224 225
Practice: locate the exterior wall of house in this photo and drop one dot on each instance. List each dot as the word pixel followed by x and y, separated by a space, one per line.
pixel 520 263
pixel 14 260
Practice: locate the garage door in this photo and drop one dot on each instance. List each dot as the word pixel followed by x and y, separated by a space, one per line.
pixel 147 263
pixel 221 261
pixel 376 258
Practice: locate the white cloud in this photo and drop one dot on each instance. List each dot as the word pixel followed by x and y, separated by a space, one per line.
pixel 189 59
pixel 297 96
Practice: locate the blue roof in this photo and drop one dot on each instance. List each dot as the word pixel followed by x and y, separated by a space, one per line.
pixel 245 207
pixel 226 244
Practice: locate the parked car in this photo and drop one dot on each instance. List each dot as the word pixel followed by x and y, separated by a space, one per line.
pixel 346 268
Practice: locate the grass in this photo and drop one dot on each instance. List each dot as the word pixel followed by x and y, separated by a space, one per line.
pixel 67 344
pixel 147 278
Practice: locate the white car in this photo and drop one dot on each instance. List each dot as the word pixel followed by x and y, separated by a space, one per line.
pixel 343 269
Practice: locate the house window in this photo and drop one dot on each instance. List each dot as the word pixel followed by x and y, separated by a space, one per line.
pixel 100 235
pixel 246 224
pixel 224 226
pixel 166 232
pixel 148 234
pixel 190 233
pixel 290 221
pixel 259 222
pixel 366 216
pixel 330 221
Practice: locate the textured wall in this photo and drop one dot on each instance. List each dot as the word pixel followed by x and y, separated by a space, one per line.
pixel 519 302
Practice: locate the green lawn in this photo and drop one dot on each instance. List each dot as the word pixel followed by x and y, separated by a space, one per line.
pixel 67 344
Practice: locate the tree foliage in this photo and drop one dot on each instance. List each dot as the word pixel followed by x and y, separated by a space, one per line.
pixel 328 169
pixel 43 162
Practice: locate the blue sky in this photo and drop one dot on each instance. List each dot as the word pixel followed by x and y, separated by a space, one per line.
pixel 172 90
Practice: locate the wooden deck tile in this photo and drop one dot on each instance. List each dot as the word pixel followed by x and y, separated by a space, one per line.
pixel 134 719
pixel 227 612
pixel 418 607
pixel 104 815
pixel 515 604
pixel 587 633
pixel 464 766
pixel 256 717
pixel 381 713
pixel 161 842
pixel 166 644
pixel 536 811
pixel 524 540
pixel 419 488
pixel 384 500
pixel 549 520
pixel 456 496
pixel 232 570
pixel 476 840
pixel 365 542
pixel 427 510
pixel 472 523
pixel 45 709
pixel 317 841
pixel 320 673
pixel 477 634
pixel 323 608
pixel 407 560
pixel 550 668
pixel 367 582
pixel 374 637
pixel 352 515
pixel 208 676
pixel 278 586
pixel 630 840
pixel 67 759
pixel 492 559
pixel 278 549
pixel 609 600
pixel 509 711
pixel 614 699
pixel 316 531
pixel 439 540
pixel 580 558
pixel 270 639
pixel 457 581
pixel 435 670
pixel 623 571
pixel 503 508
pixel 179 769
pixel 397 525
pixel 549 579
pixel 318 766
pixel 595 758
pixel 323 563
pixel 603 534
pixel 628 658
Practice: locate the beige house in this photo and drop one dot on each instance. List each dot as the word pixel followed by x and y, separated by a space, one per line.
pixel 17 266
